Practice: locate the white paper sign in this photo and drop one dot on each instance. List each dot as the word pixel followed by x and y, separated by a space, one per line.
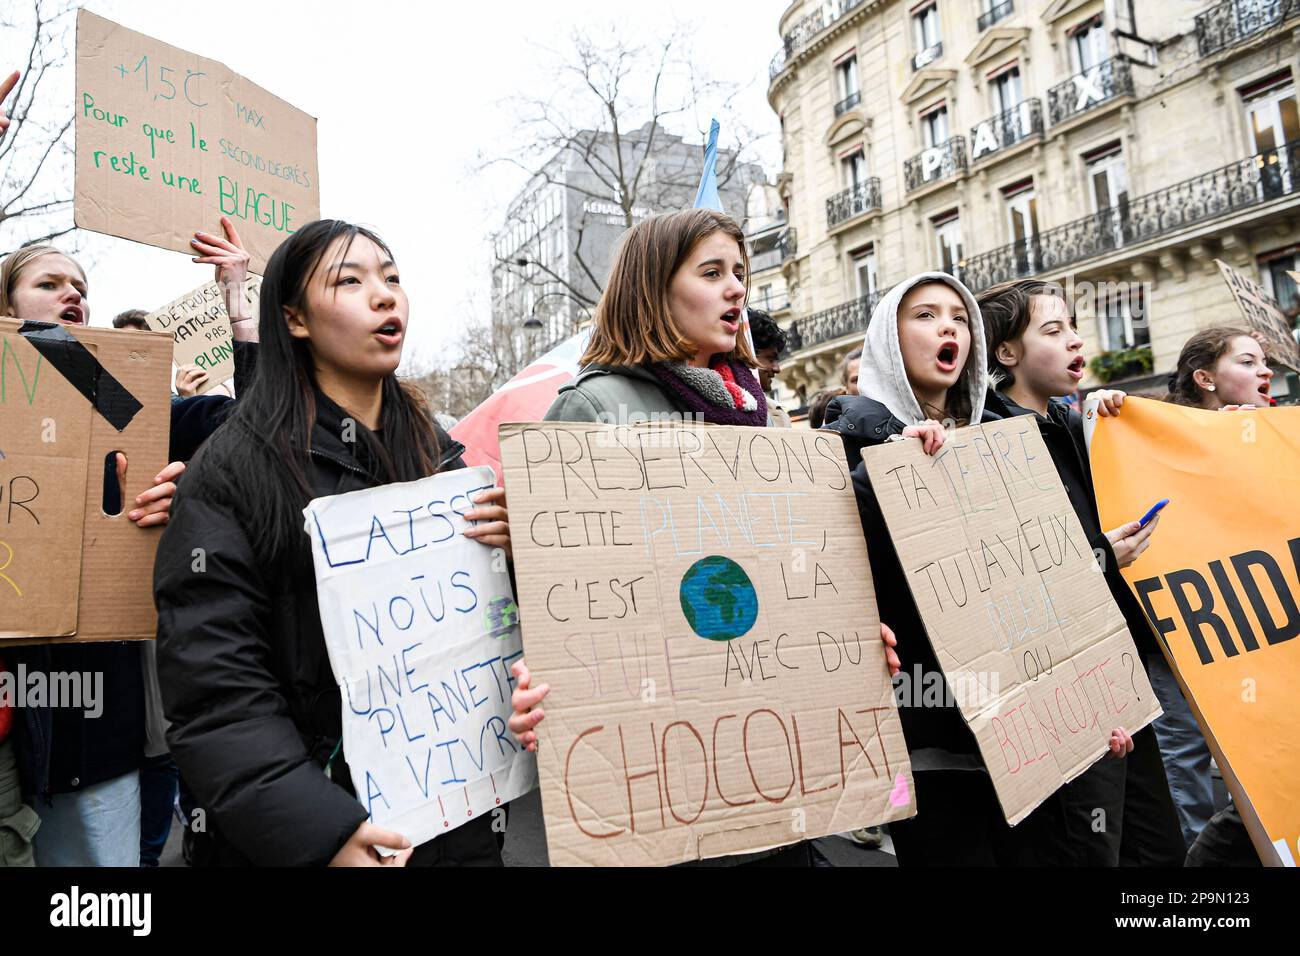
pixel 421 627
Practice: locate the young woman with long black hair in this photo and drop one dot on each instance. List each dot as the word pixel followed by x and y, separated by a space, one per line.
pixel 256 722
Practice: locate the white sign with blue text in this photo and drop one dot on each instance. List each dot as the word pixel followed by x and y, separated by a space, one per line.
pixel 421 626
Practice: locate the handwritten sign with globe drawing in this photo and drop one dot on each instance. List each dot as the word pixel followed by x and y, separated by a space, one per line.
pixel 699 600
pixel 718 599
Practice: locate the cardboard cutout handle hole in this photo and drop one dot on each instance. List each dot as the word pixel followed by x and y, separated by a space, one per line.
pixel 112 503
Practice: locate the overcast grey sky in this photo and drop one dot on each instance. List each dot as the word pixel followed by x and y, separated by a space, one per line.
pixel 407 94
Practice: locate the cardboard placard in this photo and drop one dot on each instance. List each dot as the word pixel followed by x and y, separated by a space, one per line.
pixel 1032 645
pixel 1263 315
pixel 168 142
pixel 70 397
pixel 201 329
pixel 1221 585
pixel 421 627
pixel 699 600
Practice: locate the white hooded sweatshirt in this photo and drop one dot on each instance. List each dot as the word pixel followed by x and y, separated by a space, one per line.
pixel 882 375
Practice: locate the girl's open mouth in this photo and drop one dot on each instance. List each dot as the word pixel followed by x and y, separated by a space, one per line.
pixel 1076 368
pixel 73 315
pixel 947 360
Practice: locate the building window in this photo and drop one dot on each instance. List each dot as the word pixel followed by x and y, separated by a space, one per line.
pixel 925 34
pixel 1107 178
pixel 846 73
pixel 1271 114
pixel 934 127
pixel 1273 268
pixel 947 236
pixel 854 168
pixel 1122 318
pixel 1005 89
pixel 925 27
pixel 1022 218
pixel 864 271
pixel 1088 45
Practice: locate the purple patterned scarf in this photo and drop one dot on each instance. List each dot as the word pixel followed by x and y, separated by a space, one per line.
pixel 716 405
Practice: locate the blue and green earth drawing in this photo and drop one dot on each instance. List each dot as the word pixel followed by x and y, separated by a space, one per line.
pixel 718 599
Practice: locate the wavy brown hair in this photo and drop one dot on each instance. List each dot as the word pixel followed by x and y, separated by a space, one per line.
pixel 632 323
pixel 1201 351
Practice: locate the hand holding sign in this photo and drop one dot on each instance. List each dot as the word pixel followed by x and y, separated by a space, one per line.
pixel 5 89
pixel 360 848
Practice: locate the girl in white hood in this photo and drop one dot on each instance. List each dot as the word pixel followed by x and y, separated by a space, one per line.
pixel 924 366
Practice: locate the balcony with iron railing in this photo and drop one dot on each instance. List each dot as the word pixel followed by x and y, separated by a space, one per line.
pixel 846 104
pixel 762 261
pixel 1252 181
pixel 1005 130
pixel 847 318
pixel 853 202
pixel 788 244
pixel 806 28
pixel 1237 21
pixel 993 15
pixel 927 56
pixel 1107 81
pixel 935 164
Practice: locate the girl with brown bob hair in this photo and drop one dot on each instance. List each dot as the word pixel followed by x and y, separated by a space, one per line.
pixel 667 341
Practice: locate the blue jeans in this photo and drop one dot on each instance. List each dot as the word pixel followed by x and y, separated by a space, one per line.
pixel 1184 751
pixel 97 826
pixel 158 784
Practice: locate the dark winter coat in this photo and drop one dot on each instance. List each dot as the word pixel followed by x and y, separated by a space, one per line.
pixel 247 686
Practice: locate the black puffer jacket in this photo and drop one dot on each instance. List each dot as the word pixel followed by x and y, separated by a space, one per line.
pixel 246 680
pixel 863 423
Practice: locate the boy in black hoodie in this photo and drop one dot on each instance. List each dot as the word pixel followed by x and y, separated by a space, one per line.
pixel 1035 355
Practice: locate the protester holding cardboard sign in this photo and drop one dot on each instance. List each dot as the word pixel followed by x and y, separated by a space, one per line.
pixel 1035 357
pixel 255 712
pixel 665 347
pixel 81 770
pixel 924 360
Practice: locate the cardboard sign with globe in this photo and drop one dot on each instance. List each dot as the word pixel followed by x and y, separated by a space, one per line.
pixel 699 600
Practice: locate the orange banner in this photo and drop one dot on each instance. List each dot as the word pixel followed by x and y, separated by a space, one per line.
pixel 1220 584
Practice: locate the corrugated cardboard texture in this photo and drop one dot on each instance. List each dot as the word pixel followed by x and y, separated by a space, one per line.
pixel 1032 644
pixel 168 141
pixel 661 745
pixel 98 568
pixel 201 327
pixel 1263 315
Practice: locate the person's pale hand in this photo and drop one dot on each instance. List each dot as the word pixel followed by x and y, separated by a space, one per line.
pixel 189 379
pixel 891 642
pixel 1110 401
pixel 1236 408
pixel 1128 541
pixel 1120 743
pixel 153 506
pixel 491 509
pixel 360 848
pixel 227 255
pixel 931 434
pixel 526 701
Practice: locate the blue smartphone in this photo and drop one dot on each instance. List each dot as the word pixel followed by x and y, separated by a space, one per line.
pixel 1155 509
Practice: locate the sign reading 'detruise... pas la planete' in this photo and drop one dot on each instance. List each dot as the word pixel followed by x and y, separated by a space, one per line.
pixel 421 627
pixel 699 600
pixel 168 142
